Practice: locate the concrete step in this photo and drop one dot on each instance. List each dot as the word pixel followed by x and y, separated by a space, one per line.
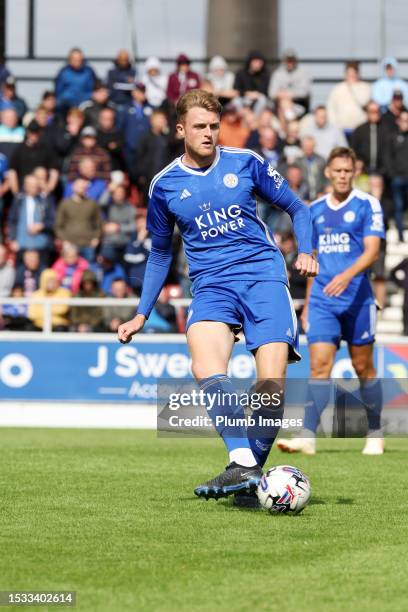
pixel 389 327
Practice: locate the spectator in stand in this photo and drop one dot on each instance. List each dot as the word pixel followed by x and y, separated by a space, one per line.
pixel 290 81
pixel 369 139
pixel 11 134
pixel 222 79
pixel 136 253
pixel 120 221
pixel 50 288
pixel 107 269
pixel 88 147
pixel 265 119
pixel 296 181
pixel 115 315
pixel 385 86
pixel 396 163
pixel 10 99
pixel 134 123
pixel 346 105
pixel 14 317
pixel 162 319
pixel 7 273
pixel 288 248
pixel 155 82
pixel 312 166
pixel 153 153
pixel 110 138
pixel 252 81
pixel 392 114
pixel 234 132
pixel 29 271
pixel 399 276
pixel 291 146
pixel 120 80
pixel 361 179
pixel 326 136
pixel 70 267
pixel 79 221
pixel 41 174
pixel 49 102
pixel 4 188
pixel 66 137
pixel 85 319
pixel 99 100
pixel 96 187
pixel 269 146
pixel 4 72
pixel 31 221
pixel 182 80
pixel 74 82
pixel 29 155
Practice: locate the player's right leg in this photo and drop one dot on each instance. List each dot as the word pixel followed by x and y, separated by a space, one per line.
pixel 210 344
pixel 322 355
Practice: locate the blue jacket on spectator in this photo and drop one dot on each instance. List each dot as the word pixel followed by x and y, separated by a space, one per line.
pixel 105 276
pixel 94 191
pixel 134 123
pixel 20 218
pixel 120 83
pixel 74 86
pixel 135 260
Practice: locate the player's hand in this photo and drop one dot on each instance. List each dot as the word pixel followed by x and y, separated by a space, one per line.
pixel 306 265
pixel 337 285
pixel 130 328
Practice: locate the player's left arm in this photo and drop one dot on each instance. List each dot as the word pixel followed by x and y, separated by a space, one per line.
pixel 373 233
pixel 273 187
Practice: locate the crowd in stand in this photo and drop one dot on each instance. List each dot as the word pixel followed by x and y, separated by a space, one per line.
pixel 75 171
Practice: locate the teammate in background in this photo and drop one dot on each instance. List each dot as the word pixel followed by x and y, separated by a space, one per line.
pixel 238 273
pixel 347 230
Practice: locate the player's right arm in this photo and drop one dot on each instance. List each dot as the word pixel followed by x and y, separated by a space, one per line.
pixel 160 223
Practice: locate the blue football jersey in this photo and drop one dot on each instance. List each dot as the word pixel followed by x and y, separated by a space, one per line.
pixel 215 210
pixel 338 237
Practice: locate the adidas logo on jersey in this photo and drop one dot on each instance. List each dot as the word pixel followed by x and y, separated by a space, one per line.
pixel 365 335
pixel 185 194
pixel 289 332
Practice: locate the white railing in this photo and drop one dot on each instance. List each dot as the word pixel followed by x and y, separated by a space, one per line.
pixel 48 303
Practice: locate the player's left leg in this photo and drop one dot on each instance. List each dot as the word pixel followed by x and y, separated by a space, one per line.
pixel 371 394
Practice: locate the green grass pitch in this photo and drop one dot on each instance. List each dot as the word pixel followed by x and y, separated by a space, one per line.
pixel 112 515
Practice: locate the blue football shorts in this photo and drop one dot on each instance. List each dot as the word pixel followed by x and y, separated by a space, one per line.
pixel 354 324
pixel 262 310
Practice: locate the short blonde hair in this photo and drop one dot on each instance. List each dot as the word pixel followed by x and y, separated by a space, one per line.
pixel 197 98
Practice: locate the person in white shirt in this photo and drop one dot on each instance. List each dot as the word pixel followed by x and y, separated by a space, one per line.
pixel 347 100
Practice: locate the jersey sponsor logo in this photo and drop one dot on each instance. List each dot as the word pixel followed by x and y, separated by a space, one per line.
pixel 185 194
pixel 213 223
pixel 274 174
pixel 377 223
pixel 334 243
pixel 349 216
pixel 230 180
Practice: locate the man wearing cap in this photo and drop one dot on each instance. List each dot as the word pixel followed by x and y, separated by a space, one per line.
pixel 31 154
pixel 392 114
pixel 134 123
pixel 10 99
pixel 290 79
pixel 385 86
pixel 182 80
pixel 88 148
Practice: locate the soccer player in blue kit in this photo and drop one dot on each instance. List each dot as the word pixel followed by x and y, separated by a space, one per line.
pixel 347 230
pixel 238 274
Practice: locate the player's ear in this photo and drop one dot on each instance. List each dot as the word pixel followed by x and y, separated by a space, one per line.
pixel 180 130
pixel 327 173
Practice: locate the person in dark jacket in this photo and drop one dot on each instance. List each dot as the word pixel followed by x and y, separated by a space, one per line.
pixel 85 319
pixel 399 276
pixel 110 137
pixel 74 82
pixel 396 163
pixel 66 137
pixel 136 254
pixel 153 152
pixel 182 80
pixel 368 139
pixel 120 80
pixel 252 81
pixel 120 222
pixel 134 123
pixel 99 100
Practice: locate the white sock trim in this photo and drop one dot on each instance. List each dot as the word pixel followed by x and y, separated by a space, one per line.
pixel 243 456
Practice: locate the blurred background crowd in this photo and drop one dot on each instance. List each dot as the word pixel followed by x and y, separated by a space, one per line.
pixel 75 171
